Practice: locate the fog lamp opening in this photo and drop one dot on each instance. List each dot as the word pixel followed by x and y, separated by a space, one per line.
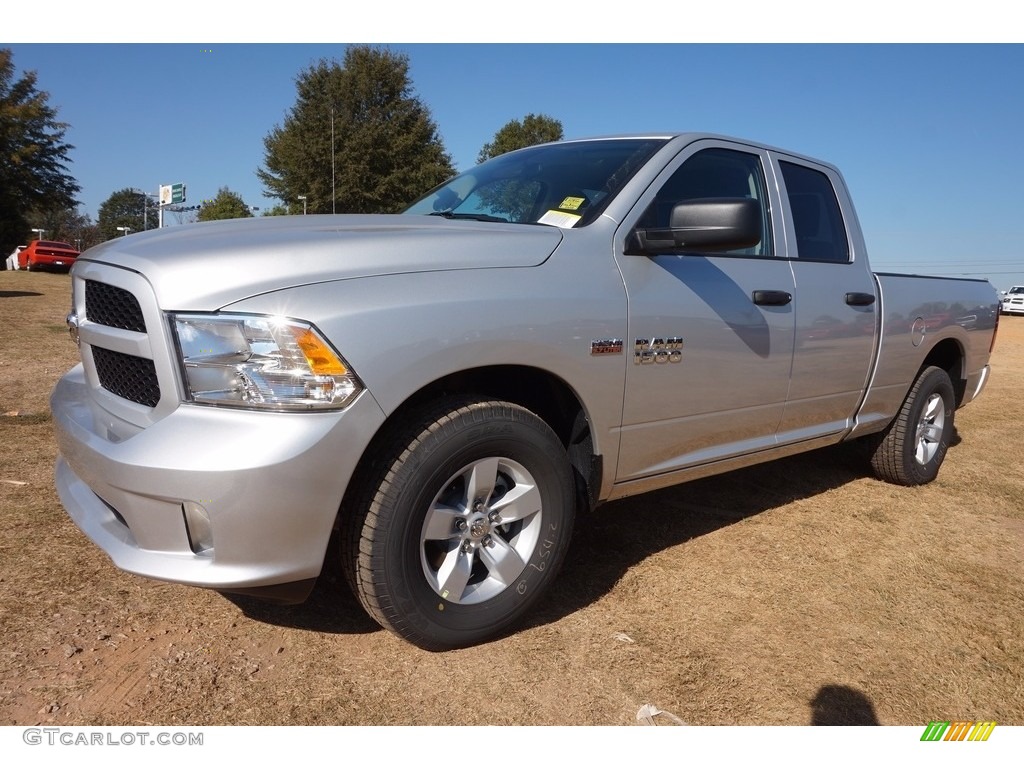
pixel 198 528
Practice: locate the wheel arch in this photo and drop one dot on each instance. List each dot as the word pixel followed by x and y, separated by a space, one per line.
pixel 540 391
pixel 949 355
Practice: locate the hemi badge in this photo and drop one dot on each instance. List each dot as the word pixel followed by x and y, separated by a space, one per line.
pixel 606 347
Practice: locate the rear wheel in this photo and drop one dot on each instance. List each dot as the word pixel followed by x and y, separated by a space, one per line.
pixel 463 525
pixel 913 447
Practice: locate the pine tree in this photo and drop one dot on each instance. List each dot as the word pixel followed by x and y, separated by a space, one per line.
pixel 385 146
pixel 33 155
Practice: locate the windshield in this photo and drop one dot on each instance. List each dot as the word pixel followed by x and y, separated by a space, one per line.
pixel 565 185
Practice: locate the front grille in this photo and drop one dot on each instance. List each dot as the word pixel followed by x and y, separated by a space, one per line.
pixel 127 376
pixel 116 307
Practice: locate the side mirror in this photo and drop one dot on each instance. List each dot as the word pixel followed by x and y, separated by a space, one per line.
pixel 709 224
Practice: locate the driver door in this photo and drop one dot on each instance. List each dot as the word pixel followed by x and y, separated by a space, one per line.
pixel 711 335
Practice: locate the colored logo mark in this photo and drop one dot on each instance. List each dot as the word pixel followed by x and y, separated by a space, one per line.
pixel 958 730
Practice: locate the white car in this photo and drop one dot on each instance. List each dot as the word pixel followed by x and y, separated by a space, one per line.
pixel 1013 301
pixel 12 260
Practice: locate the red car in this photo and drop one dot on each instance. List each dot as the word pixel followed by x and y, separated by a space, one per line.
pixel 47 254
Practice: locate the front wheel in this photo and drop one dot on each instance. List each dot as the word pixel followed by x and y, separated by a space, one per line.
pixel 463 524
pixel 911 450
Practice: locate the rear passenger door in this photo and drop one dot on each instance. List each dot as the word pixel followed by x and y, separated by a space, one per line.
pixel 708 369
pixel 836 305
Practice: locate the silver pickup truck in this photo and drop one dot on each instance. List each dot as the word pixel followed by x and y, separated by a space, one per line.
pixel 449 387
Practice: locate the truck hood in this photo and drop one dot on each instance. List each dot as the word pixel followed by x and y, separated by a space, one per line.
pixel 207 266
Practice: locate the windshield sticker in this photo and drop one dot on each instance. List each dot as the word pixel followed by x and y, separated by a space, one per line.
pixel 559 219
pixel 572 203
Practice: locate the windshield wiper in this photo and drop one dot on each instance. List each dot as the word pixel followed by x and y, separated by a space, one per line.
pixel 471 216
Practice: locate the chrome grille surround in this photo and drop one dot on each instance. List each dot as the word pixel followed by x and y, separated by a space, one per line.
pixel 127 352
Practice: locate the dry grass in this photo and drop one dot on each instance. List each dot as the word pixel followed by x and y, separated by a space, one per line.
pixel 801 591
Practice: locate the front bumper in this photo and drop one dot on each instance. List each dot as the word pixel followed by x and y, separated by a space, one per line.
pixel 269 485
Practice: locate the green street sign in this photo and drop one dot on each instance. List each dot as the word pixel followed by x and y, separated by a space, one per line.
pixel 172 194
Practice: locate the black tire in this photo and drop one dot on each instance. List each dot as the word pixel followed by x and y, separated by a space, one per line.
pixel 912 448
pixel 424 551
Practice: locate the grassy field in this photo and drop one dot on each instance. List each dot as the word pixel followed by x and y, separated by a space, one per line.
pixel 803 591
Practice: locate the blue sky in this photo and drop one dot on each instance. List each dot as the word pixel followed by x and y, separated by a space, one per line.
pixel 927 135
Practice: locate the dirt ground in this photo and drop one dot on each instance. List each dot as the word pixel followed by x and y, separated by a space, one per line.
pixel 802 591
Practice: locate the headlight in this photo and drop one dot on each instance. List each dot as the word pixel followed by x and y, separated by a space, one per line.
pixel 255 361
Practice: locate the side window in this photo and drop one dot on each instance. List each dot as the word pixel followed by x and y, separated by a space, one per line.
pixel 820 233
pixel 714 173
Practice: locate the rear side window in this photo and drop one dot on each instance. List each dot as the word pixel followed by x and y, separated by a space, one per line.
pixel 820 233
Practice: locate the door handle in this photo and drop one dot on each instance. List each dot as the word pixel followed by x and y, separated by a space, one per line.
pixel 860 299
pixel 772 298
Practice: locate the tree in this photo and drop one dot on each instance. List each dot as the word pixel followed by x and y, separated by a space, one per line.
pixel 33 155
pixel 534 129
pixel 67 225
pixel 125 208
pixel 515 196
pixel 361 113
pixel 226 205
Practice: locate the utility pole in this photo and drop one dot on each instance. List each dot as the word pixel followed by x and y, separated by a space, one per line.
pixel 333 203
